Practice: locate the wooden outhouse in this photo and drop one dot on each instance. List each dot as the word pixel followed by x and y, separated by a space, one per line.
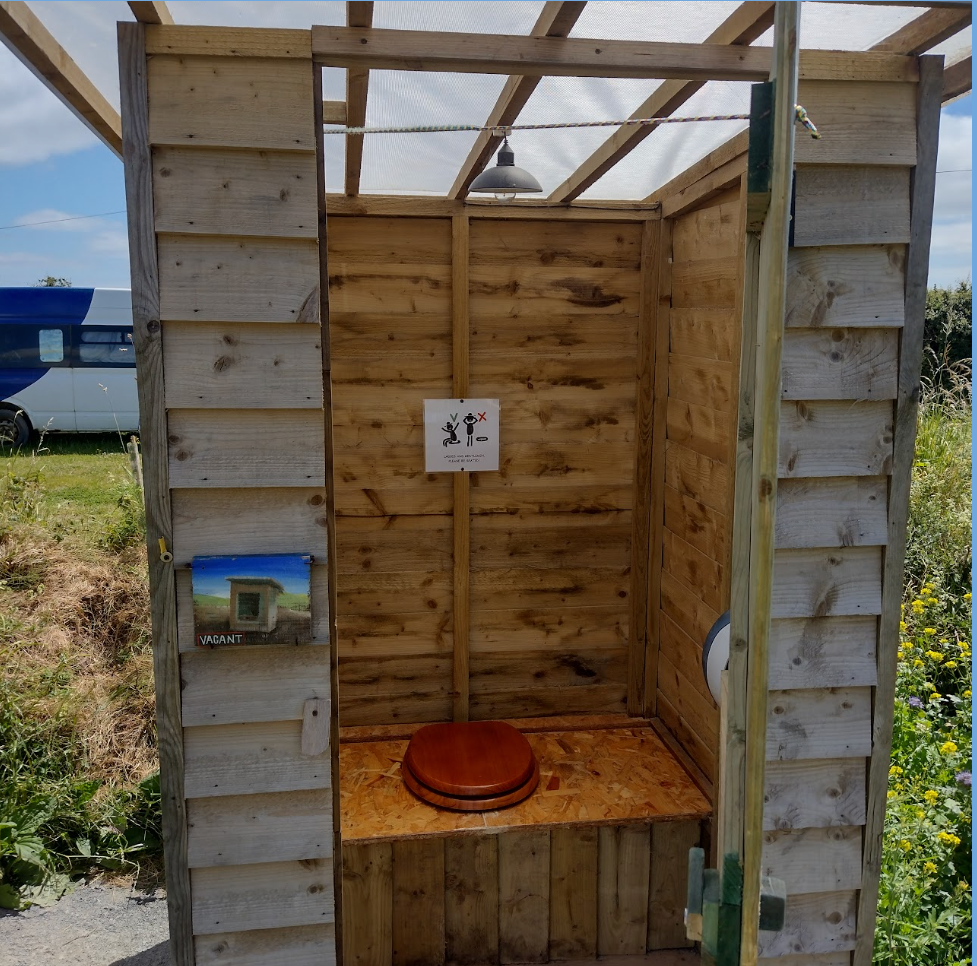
pixel 693 418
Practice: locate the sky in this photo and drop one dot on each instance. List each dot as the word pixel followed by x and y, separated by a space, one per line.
pixel 210 573
pixel 62 195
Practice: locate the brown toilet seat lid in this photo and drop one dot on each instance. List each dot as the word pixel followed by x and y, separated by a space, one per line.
pixel 474 758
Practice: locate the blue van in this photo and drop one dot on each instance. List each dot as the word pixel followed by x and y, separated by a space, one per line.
pixel 67 362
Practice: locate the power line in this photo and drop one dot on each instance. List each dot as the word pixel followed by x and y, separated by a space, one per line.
pixel 56 221
pixel 953 170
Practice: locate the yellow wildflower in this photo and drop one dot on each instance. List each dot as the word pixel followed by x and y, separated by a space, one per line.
pixel 962 886
pixel 931 600
pixel 929 867
pixel 920 813
pixel 967 596
pixel 899 655
pixel 917 662
pixel 947 837
pixel 948 747
pixel 917 607
pixel 968 693
pixel 895 770
pixel 931 796
pixel 903 625
pixel 950 664
pixel 930 685
pixel 929 631
pixel 906 845
pixel 936 697
pixel 890 794
pixel 934 655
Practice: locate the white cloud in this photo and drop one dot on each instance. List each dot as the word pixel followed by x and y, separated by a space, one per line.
pixel 34 123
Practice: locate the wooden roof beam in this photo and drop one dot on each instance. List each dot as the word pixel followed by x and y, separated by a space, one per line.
pixel 358 14
pixel 151 11
pixel 958 78
pixel 747 22
pixel 927 30
pixel 556 20
pixel 34 46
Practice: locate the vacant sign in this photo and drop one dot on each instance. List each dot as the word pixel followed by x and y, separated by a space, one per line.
pixel 461 435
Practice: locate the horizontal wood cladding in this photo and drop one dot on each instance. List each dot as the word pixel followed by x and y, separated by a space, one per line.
pixel 241 830
pixel 518 896
pixel 827 652
pixel 850 205
pixel 220 191
pixel 814 859
pixel 297 945
pixel 254 366
pixel 814 794
pixel 861 122
pixel 245 759
pixel 824 438
pixel 266 896
pixel 703 333
pixel 835 511
pixel 245 448
pixel 819 723
pixel 840 364
pixel 818 923
pixel 847 286
pixel 827 582
pixel 217 278
pixel 231 102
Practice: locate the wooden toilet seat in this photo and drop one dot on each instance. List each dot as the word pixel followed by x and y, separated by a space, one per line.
pixel 470 766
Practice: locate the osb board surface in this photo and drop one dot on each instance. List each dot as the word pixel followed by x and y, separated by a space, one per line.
pixel 598 777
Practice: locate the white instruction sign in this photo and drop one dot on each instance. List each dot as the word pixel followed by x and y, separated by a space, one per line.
pixel 461 435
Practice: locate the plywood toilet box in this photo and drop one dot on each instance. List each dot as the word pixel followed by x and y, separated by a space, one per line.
pixel 254 603
pixel 470 766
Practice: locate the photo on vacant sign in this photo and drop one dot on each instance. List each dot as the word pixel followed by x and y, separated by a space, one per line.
pixel 251 600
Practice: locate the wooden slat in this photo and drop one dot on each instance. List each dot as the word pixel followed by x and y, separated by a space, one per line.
pixel 247 829
pixel 711 232
pixel 558 629
pixel 849 205
pixel 471 865
pixel 580 666
pixel 699 572
pixel 698 711
pixel 927 30
pixel 700 428
pixel 709 188
pixel 380 635
pixel 494 54
pixel 702 382
pixel 853 286
pixel 747 22
pixel 906 408
pixel 825 723
pixel 685 654
pixel 147 336
pixel 568 587
pixel 418 902
pixel 556 19
pixel 698 525
pixel 545 702
pixel 686 609
pixel 815 923
pixel 624 869
pixel 827 583
pixel 814 859
pixel 701 753
pixel 833 512
pixel 707 333
pixel 840 364
pixel 822 652
pixel 242 448
pixel 220 192
pixel 244 43
pixel 34 46
pixel 425 206
pixel 249 685
pixel 358 14
pixel 231 102
pixel 573 893
pixel 546 243
pixel 150 11
pixel 860 122
pixel 298 945
pixel 266 896
pixel 835 438
pixel 818 959
pixel 250 758
pixel 696 476
pixel 215 366
pixel 403 543
pixel 368 903
pixel 667 894
pixel 643 507
pixel 733 148
pixel 958 78
pixel 237 279
pixel 705 283
pixel 814 794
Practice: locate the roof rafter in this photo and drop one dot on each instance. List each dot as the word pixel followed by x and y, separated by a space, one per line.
pixel 747 22
pixel 927 30
pixel 555 20
pixel 151 11
pixel 34 46
pixel 358 14
pixel 958 77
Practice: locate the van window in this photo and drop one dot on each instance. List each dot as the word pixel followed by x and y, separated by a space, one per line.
pixel 99 346
pixel 50 343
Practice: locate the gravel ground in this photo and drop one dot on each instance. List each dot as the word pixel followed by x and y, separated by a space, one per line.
pixel 96 925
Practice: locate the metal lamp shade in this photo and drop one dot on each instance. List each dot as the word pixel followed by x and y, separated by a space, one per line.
pixel 505 180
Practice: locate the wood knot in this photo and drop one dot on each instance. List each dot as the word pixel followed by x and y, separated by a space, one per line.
pixel 222 363
pixel 316 499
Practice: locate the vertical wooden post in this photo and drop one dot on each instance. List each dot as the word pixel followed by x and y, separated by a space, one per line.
pixel 462 494
pixel 148 342
pixel 770 331
pixel 903 446
pixel 641 604
pixel 329 476
pixel 657 482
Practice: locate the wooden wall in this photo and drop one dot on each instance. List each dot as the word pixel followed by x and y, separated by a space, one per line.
pixel 527 896
pixel 231 149
pixel 504 594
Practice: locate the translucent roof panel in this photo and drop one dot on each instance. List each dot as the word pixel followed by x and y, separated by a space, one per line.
pixel 472 16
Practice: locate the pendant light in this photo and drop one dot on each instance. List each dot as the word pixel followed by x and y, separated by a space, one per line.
pixel 505 180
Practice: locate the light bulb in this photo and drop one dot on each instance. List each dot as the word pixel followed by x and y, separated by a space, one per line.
pixel 504 196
